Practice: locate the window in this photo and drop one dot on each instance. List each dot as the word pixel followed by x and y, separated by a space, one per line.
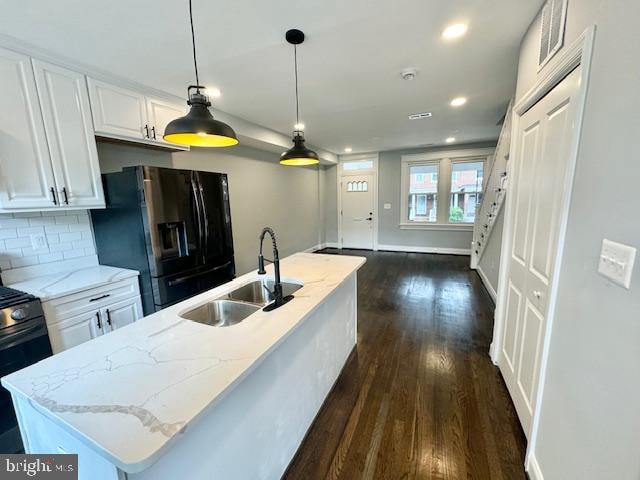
pixel 422 201
pixel 358 186
pixel 358 165
pixel 466 190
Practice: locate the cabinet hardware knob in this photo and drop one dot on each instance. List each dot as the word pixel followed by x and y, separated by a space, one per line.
pixel 53 195
pixel 100 297
pixel 146 131
pixel 153 131
pixel 108 317
pixel 66 197
pixel 98 321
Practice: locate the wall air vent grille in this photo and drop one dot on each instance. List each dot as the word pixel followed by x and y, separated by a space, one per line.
pixel 417 116
pixel 552 26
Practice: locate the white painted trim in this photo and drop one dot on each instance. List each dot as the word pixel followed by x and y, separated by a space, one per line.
pixel 578 53
pixel 457 155
pixel 320 246
pixel 331 245
pixel 487 283
pixel 340 173
pixel 418 249
pixel 533 468
pixel 250 133
pixel 457 227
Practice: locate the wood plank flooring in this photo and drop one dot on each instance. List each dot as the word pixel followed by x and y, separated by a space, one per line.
pixel 419 398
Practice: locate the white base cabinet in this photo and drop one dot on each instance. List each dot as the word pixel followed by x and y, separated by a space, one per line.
pixel 75 319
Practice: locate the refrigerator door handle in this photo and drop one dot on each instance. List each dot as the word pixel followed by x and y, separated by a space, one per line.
pixel 180 280
pixel 205 220
pixel 194 188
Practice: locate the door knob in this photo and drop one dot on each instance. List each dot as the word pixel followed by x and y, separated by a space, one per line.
pixel 369 218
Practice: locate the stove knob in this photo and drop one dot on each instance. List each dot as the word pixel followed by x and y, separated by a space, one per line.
pixel 19 314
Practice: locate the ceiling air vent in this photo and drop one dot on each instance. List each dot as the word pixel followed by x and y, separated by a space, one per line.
pixel 554 14
pixel 418 116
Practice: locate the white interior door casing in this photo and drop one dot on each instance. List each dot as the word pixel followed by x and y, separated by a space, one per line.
pixel 26 174
pixel 543 160
pixel 72 145
pixel 358 211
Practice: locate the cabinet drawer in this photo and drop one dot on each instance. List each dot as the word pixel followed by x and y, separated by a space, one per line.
pixel 92 299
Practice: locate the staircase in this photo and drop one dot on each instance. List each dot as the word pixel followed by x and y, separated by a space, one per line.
pixel 495 190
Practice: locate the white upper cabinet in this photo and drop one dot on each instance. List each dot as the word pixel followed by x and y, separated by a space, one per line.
pixel 72 145
pixel 118 112
pixel 160 113
pixel 130 115
pixel 26 173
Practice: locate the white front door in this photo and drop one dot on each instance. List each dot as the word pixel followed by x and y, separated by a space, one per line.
pixel 541 167
pixel 358 209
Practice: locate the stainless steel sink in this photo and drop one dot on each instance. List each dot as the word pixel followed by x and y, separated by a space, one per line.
pixel 256 291
pixel 221 313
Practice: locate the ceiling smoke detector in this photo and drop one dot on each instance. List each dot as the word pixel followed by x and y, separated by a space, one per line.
pixel 409 73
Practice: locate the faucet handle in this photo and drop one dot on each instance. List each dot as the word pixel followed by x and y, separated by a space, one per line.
pixel 261 270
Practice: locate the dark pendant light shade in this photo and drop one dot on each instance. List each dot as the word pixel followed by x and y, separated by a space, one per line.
pixel 299 154
pixel 198 128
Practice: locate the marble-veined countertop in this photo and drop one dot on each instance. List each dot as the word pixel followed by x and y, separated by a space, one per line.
pixel 55 285
pixel 130 393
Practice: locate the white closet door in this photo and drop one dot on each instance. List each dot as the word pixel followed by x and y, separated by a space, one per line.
pixel 541 167
pixel 26 176
pixel 67 117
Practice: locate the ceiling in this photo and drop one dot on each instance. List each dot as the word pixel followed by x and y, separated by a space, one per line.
pixel 352 93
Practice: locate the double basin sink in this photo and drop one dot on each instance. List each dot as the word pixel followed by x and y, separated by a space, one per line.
pixel 235 306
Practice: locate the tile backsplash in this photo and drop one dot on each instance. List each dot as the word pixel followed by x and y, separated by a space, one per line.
pixel 38 238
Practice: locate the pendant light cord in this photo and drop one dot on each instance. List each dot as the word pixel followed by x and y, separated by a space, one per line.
pixel 295 62
pixel 193 43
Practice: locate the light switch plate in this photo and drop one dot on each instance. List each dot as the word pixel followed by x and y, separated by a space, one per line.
pixel 39 241
pixel 616 262
pixel 387 206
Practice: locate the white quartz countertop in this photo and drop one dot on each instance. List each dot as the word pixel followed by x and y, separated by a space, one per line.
pixel 129 394
pixel 48 287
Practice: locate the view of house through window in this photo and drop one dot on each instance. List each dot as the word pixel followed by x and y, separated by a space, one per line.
pixel 423 193
pixel 466 191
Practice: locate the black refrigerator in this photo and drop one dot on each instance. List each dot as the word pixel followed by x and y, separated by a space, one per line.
pixel 173 226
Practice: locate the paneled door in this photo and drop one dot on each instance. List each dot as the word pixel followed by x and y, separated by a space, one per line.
pixel 122 313
pixel 160 113
pixel 26 176
pixel 357 200
pixel 67 119
pixel 544 136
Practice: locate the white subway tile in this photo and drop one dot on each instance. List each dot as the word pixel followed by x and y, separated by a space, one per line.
pixel 53 238
pixel 61 247
pixel 5 264
pixel 8 233
pixel 81 227
pixel 76 212
pixel 13 222
pixel 28 251
pixel 90 251
pixel 74 254
pixel 11 253
pixel 27 214
pixel 83 244
pixel 24 261
pixel 66 220
pixel 50 257
pixel 25 232
pixel 17 242
pixel 88 235
pixel 41 221
pixel 6 215
pixel 56 228
pixel 70 237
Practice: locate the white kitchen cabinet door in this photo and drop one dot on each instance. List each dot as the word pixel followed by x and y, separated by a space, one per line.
pixel 160 113
pixel 75 330
pixel 26 176
pixel 118 112
pixel 72 144
pixel 122 313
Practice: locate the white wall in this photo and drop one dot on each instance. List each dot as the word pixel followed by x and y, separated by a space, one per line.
pixel 490 261
pixel 262 193
pixel 590 424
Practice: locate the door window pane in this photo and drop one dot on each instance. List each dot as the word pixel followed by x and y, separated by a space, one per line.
pixel 423 193
pixel 466 191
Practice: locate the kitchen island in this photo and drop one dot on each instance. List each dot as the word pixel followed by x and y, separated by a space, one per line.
pixel 168 398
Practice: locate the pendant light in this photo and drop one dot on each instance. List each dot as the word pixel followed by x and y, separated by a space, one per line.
pixel 198 128
pixel 298 154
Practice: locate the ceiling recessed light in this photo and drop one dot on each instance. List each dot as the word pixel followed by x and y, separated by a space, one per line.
pixel 213 92
pixel 450 139
pixel 298 126
pixel 348 150
pixel 458 102
pixel 455 30
pixel 416 116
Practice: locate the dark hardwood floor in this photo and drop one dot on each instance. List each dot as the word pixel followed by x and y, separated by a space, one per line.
pixel 419 397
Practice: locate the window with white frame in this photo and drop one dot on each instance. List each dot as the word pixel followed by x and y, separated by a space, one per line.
pixel 466 190
pixel 422 193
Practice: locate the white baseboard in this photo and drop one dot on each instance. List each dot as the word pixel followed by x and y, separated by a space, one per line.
pixel 414 249
pixel 330 245
pixel 320 246
pixel 487 284
pixel 533 469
